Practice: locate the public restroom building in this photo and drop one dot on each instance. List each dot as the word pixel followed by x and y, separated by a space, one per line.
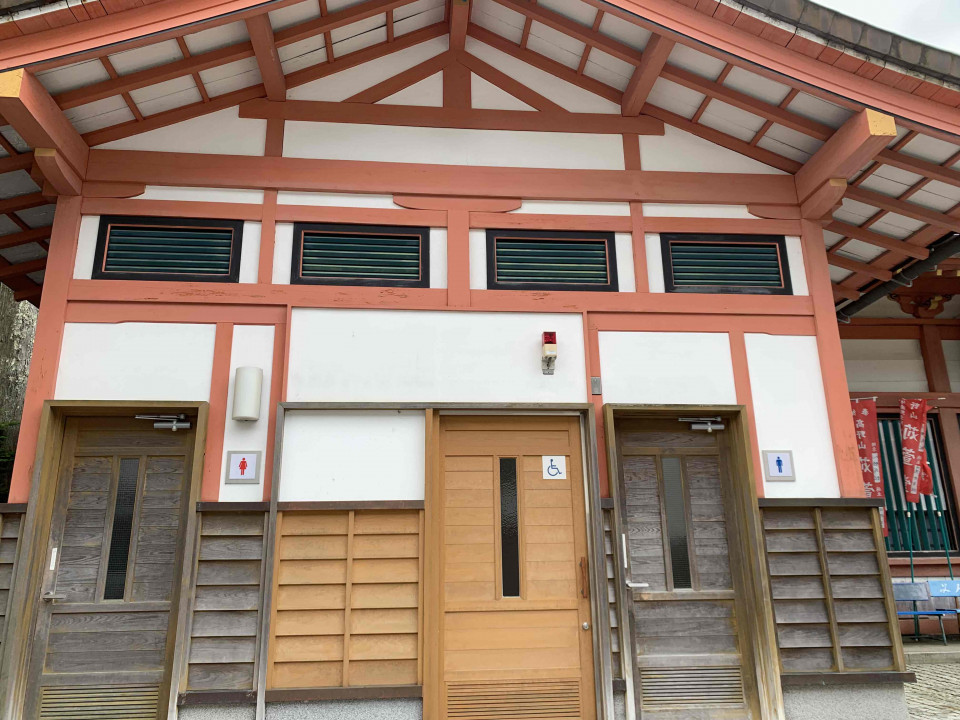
pixel 468 359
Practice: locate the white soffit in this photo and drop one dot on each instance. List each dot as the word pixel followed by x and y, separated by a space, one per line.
pixel 17 183
pixel 573 9
pixel 71 77
pixel 145 57
pixel 555 45
pixel 790 142
pixel 426 93
pixel 358 28
pixel 233 76
pixel 933 200
pixel 731 120
pixel 569 96
pixel 756 86
pixel 498 19
pixel 13 137
pixel 608 69
pixel 897 225
pixel 8 226
pixel 416 8
pixel 99 114
pixel 696 62
pixel 419 20
pixel 40 216
pixel 931 149
pixel 221 132
pixel 822 111
pixel 831 238
pixel 856 250
pixel 216 37
pixel 294 14
pixel 625 31
pixel 168 95
pixel 338 5
pixel 346 83
pixel 23 253
pixel 304 53
pixel 487 96
pixel 678 99
pixel 838 274
pixel 363 39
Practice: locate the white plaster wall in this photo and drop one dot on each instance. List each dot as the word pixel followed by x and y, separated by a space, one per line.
pixel 791 412
pixel 798 273
pixel 338 455
pixel 282 253
pixel 682 151
pixel 250 252
pixel 884 366
pixel 667 368
pixel 221 132
pixel 452 146
pixel 202 194
pixel 626 280
pixel 86 247
pixel 951 349
pixel 335 200
pixel 413 356
pixel 426 93
pixel 252 346
pixel 736 212
pixel 438 257
pixel 478 259
pixel 564 207
pixel 135 361
pixel 654 263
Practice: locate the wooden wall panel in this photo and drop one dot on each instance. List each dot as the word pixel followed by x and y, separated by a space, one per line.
pixel 10 525
pixel 831 593
pixel 346 600
pixel 610 556
pixel 227 601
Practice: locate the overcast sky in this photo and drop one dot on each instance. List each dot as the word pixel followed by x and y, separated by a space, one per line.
pixel 932 22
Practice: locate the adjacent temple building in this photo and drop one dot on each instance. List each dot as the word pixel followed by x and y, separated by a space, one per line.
pixel 471 359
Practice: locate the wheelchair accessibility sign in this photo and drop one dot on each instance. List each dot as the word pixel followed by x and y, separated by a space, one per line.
pixel 554 467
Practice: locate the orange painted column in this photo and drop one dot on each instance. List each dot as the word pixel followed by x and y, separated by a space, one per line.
pixel 591 349
pixel 458 258
pixel 280 331
pixel 42 380
pixel 835 387
pixel 631 161
pixel 273 147
pixel 741 381
pixel 217 419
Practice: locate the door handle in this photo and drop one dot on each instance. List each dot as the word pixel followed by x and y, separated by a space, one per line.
pixel 583 578
pixel 636 586
pixel 51 595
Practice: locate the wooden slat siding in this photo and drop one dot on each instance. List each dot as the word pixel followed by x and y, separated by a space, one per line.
pixel 831 599
pixel 10 525
pixel 610 555
pixel 347 599
pixel 227 600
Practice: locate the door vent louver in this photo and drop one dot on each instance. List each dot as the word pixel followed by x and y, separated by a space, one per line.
pixel 129 702
pixel 520 700
pixel 674 687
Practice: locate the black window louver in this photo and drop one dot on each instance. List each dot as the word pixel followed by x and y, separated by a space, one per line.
pixel 543 260
pixel 754 264
pixel 185 249
pixel 361 255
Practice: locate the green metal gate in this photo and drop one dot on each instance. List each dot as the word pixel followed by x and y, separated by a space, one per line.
pixel 924 525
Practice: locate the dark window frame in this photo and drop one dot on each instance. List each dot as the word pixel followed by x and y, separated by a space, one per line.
pixel 103 235
pixel 613 281
pixel 779 241
pixel 296 277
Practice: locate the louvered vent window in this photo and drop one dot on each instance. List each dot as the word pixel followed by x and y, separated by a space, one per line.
pixel 361 255
pixel 754 264
pixel 544 260
pixel 185 249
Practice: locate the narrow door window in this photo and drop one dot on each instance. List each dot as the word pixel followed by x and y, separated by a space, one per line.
pixel 124 505
pixel 676 517
pixel 509 536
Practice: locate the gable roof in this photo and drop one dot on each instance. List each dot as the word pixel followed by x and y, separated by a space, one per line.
pixel 732 74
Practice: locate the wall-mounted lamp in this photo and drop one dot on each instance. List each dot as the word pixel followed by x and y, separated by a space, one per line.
pixel 247 386
pixel 549 354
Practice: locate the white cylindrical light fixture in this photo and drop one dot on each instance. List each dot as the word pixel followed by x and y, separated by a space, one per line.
pixel 247 385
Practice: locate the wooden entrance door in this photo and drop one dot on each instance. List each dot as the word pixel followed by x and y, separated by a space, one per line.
pixel 515 627
pixel 104 637
pixel 687 624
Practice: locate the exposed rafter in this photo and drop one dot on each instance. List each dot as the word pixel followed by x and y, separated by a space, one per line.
pixel 265 49
pixel 902 207
pixel 874 238
pixel 655 56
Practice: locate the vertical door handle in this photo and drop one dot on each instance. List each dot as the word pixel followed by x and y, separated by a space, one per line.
pixel 584 584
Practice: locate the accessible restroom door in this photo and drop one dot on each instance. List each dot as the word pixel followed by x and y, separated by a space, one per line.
pixel 104 635
pixel 687 624
pixel 515 626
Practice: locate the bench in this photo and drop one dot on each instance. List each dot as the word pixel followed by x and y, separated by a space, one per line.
pixel 947 589
pixel 919 592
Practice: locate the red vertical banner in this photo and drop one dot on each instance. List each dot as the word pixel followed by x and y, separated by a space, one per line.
pixel 868 445
pixel 917 478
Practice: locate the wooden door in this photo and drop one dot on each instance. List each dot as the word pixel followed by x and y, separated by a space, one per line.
pixel 516 638
pixel 688 644
pixel 103 639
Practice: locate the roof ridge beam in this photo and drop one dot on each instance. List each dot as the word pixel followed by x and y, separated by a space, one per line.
pixel 655 56
pixel 847 151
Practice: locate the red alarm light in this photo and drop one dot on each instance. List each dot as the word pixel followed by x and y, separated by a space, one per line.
pixel 549 338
